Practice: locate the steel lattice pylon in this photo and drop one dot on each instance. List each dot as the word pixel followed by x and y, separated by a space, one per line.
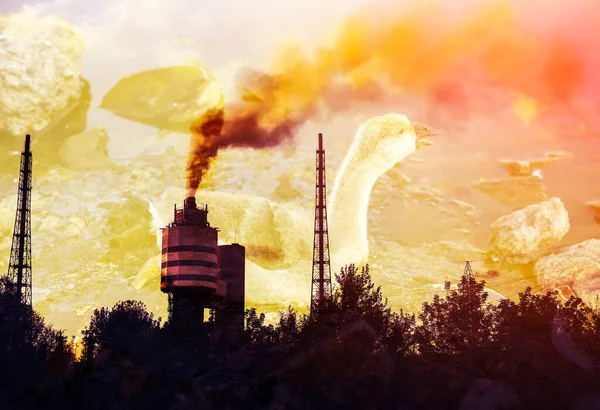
pixel 321 270
pixel 468 270
pixel 19 267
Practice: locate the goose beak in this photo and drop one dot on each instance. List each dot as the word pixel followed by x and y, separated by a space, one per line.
pixel 422 131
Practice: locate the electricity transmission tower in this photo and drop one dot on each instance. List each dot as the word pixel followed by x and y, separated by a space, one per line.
pixel 19 267
pixel 468 270
pixel 321 270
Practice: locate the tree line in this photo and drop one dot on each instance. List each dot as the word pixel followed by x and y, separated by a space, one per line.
pixel 353 351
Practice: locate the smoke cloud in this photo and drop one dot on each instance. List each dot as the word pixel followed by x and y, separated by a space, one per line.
pixel 545 65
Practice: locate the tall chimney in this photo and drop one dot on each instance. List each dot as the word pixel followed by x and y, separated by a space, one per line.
pixel 190 202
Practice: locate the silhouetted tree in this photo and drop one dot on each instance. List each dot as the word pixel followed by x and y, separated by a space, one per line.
pixel 458 323
pixel 350 352
pixel 401 339
pixel 60 360
pixel 530 318
pixel 122 328
pixel 256 331
pixel 27 345
pixel 593 340
pixel 287 329
pixel 358 298
pixel 349 333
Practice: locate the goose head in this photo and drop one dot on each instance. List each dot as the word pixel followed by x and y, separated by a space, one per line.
pixel 390 138
pixel 379 144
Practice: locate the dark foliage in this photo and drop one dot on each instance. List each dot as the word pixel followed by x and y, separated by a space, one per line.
pixel 32 354
pixel 457 324
pixel 350 352
pixel 122 329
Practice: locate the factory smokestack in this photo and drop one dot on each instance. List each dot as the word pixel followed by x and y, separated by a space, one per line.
pixel 198 274
pixel 189 264
pixel 190 202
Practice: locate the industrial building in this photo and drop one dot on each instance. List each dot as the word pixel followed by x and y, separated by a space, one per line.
pixel 199 275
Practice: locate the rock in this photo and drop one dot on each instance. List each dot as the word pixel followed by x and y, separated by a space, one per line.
pixel 488 394
pixel 149 273
pixel 111 245
pixel 127 235
pixel 562 269
pixel 274 237
pixel 564 292
pixel 39 72
pixel 286 191
pixel 86 151
pixel 575 266
pixel 587 286
pixel 525 235
pixel 595 207
pixel 558 154
pixel 48 143
pixel 168 98
pixel 516 192
pixel 526 168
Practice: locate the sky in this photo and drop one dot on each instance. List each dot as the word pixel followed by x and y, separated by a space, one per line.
pixel 542 52
pixel 480 70
pixel 500 79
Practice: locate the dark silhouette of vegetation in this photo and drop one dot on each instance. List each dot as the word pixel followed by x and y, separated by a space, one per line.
pixel 459 352
pixel 32 354
pixel 122 329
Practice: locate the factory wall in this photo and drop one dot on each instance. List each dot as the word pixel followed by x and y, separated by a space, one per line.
pixel 232 270
pixel 187 309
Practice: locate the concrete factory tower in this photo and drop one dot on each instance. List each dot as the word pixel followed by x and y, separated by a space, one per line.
pixel 197 274
pixel 19 266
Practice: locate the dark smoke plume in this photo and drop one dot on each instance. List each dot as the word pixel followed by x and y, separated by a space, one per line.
pixel 258 120
pixel 429 52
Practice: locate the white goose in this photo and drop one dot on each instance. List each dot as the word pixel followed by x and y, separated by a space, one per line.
pixel 279 241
